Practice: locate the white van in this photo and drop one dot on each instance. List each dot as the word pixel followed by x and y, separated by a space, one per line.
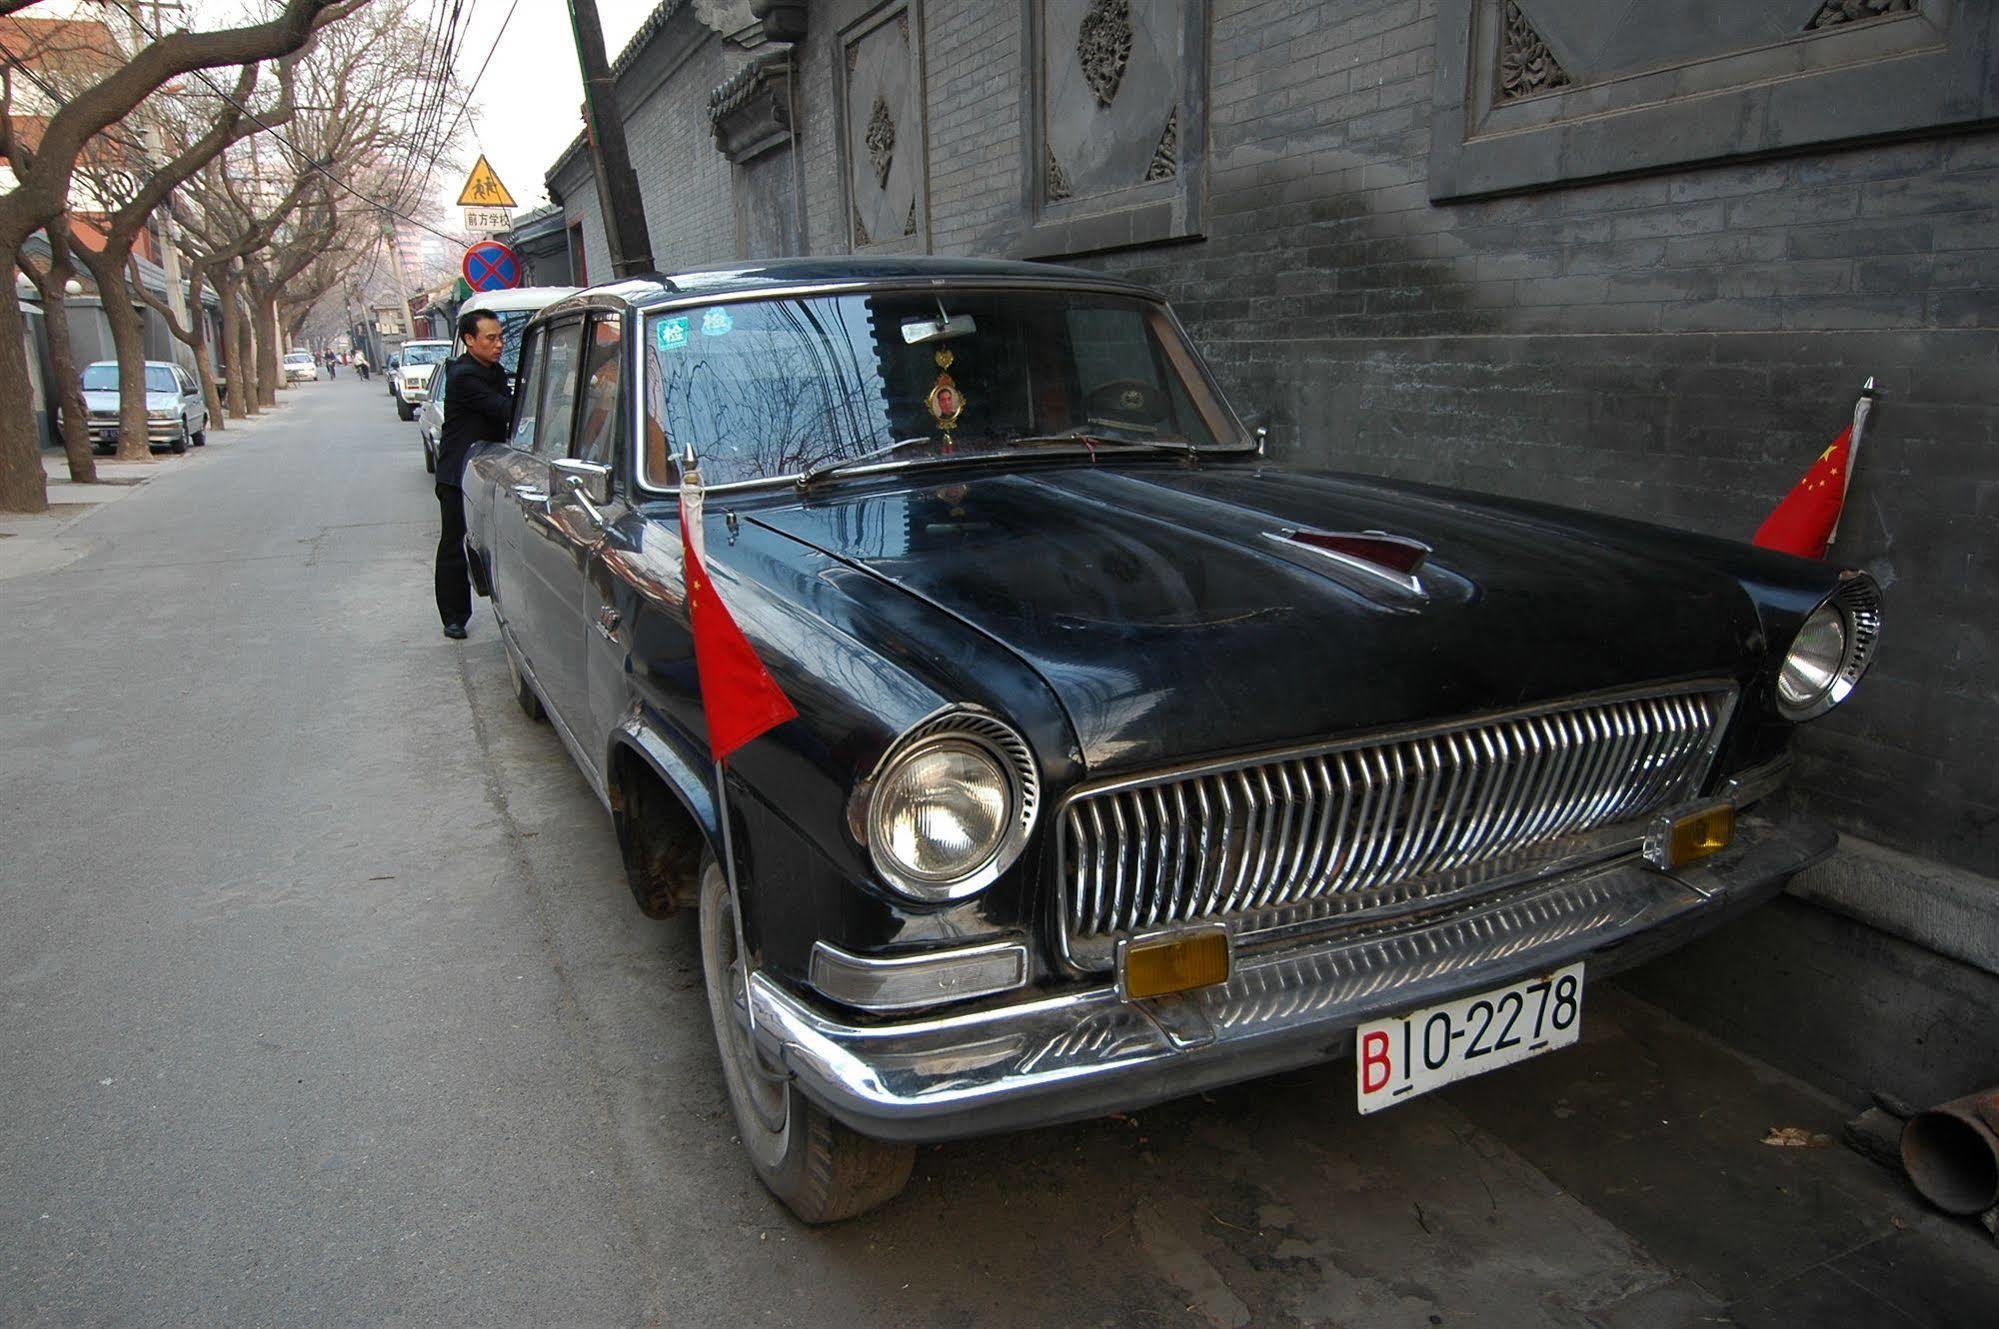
pixel 513 308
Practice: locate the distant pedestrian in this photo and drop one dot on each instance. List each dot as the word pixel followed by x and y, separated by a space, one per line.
pixel 478 405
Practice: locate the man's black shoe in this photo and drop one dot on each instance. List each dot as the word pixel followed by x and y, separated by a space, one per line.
pixel 455 631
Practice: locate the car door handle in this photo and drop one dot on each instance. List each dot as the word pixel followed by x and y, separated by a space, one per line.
pixel 528 495
pixel 608 619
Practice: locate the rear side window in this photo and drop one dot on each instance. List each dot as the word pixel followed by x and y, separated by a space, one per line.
pixel 603 374
pixel 558 393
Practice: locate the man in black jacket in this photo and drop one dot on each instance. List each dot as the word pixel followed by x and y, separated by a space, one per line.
pixel 478 405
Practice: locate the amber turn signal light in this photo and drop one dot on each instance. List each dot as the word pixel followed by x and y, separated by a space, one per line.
pixel 1158 966
pixel 1691 835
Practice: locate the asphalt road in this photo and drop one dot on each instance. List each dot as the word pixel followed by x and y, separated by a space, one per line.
pixel 322 1001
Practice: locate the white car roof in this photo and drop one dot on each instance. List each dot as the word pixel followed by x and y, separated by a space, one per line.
pixel 521 297
pixel 424 342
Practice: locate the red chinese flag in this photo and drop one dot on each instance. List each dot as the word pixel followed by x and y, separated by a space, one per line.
pixel 738 694
pixel 1803 523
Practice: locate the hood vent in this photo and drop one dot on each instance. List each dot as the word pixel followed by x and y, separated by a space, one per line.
pixel 1382 559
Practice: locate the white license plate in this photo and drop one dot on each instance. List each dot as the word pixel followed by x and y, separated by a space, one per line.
pixel 1405 1055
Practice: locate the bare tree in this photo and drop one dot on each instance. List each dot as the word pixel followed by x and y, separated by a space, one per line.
pixel 262 207
pixel 52 281
pixel 44 171
pixel 132 186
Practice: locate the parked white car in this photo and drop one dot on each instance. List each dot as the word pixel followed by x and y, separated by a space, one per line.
pixel 411 380
pixel 513 308
pixel 176 415
pixel 301 365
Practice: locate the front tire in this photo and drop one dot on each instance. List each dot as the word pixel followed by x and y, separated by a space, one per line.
pixel 179 444
pixel 404 411
pixel 429 459
pixel 823 1171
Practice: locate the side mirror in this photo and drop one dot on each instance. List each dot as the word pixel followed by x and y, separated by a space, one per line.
pixel 588 480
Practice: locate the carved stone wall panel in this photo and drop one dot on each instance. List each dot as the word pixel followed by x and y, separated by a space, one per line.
pixel 1531 93
pixel 882 124
pixel 1113 75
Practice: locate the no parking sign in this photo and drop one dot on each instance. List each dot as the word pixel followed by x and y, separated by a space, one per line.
pixel 491 266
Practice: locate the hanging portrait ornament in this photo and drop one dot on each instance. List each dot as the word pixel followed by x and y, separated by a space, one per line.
pixel 946 403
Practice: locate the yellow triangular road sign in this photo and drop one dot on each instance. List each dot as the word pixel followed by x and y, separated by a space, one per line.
pixel 484 190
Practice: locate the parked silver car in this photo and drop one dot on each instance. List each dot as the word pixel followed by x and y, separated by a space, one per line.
pixel 176 415
pixel 409 382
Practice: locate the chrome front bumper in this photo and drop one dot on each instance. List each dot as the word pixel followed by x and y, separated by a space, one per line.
pixel 1082 1054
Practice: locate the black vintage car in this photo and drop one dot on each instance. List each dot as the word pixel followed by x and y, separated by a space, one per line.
pixel 1127 761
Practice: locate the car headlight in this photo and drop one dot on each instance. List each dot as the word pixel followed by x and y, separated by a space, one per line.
pixel 1831 651
pixel 950 807
pixel 161 415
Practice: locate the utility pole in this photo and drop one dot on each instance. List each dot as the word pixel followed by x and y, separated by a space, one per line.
pixel 617 183
pixel 402 278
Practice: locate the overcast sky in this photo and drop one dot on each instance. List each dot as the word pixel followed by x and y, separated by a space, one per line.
pixel 527 106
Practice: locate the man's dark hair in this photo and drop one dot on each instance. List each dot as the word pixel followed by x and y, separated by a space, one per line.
pixel 468 323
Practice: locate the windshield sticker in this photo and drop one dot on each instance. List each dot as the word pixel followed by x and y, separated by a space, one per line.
pixel 717 323
pixel 671 333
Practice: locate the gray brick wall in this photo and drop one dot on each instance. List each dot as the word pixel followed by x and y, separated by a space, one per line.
pixel 1676 348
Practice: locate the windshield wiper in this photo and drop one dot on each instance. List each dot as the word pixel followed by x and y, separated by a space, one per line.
pixel 889 450
pixel 1102 442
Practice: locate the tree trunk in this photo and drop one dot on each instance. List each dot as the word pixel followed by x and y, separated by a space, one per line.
pixel 128 339
pixel 270 355
pixel 24 485
pixel 246 333
pixel 51 281
pixel 232 343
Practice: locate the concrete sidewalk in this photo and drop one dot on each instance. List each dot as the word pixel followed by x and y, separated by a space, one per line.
pixel 44 541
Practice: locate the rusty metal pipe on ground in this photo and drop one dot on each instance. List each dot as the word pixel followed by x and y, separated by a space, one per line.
pixel 1951 1153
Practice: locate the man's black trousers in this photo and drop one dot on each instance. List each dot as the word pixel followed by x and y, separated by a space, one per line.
pixel 454 587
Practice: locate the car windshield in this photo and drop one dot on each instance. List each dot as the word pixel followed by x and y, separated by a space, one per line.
pixel 104 378
pixel 770 388
pixel 425 355
pixel 298 358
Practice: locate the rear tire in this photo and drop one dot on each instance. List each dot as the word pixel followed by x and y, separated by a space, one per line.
pixel 823 1171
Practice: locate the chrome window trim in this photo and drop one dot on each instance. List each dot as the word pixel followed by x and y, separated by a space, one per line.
pixel 1258 928
pixel 643 489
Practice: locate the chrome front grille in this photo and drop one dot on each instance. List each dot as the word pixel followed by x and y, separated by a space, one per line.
pixel 1347 828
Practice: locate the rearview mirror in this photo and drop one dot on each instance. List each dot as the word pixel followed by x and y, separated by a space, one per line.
pixel 916 331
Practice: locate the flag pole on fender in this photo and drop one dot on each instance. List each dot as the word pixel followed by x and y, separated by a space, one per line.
pixel 1861 410
pixel 738 696
pixel 1807 519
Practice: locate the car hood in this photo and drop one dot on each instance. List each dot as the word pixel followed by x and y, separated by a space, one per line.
pixel 1171 618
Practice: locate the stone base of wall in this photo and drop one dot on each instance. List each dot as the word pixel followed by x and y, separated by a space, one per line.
pixel 1837 1002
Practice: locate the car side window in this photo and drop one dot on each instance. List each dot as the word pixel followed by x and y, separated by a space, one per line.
pixel 558 391
pixel 528 396
pixel 603 374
